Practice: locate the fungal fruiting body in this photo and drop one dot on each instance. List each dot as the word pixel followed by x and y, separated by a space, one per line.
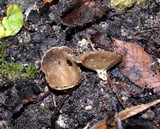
pixel 100 61
pixel 61 71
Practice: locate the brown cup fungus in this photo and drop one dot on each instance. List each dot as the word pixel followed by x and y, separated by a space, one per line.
pixel 61 71
pixel 100 61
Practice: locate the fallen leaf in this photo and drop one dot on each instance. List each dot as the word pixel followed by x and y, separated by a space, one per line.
pixel 13 22
pixel 136 65
pixel 17 108
pixel 87 12
pixel 122 4
pixel 112 122
pixel 34 98
pixel 101 41
pixel 46 1
pixel 123 115
pixel 100 125
pixel 129 112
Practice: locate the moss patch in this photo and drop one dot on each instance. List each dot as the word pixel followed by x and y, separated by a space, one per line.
pixel 10 71
pixel 14 70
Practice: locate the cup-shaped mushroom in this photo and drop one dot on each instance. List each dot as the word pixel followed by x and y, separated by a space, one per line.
pixel 61 71
pixel 100 61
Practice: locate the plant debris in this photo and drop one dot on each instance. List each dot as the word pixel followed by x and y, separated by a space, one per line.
pixel 46 1
pixel 87 12
pixel 123 115
pixel 124 4
pixel 13 22
pixel 30 102
pixel 129 112
pixel 137 64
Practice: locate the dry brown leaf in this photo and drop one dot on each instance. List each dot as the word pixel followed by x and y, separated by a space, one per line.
pixel 123 115
pixel 110 123
pixel 34 99
pixel 101 41
pixel 136 65
pixel 100 125
pixel 86 13
pixel 46 1
pixel 129 112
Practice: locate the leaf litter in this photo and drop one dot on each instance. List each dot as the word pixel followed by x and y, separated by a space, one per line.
pixel 72 107
pixel 87 12
pixel 136 65
pixel 123 115
pixel 13 22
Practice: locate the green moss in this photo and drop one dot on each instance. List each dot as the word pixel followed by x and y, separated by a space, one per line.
pixel 11 71
pixel 3 3
pixel 15 70
pixel 43 109
pixel 3 46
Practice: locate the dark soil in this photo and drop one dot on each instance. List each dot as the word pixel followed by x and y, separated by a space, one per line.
pixel 91 100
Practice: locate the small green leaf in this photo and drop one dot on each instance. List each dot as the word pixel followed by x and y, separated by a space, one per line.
pixel 13 22
pixel 122 4
pixel 1 30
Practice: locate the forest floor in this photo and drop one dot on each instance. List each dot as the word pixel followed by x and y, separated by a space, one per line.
pixel 27 102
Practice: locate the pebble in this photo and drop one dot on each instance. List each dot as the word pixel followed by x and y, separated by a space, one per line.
pixel 87 108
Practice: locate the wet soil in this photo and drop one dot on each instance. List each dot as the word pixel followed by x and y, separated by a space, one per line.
pixel 92 99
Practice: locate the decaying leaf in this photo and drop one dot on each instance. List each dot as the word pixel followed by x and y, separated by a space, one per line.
pixel 13 22
pixel 112 122
pixel 123 115
pixel 129 112
pixel 87 12
pixel 34 99
pixel 136 65
pixel 61 72
pixel 100 40
pixel 100 125
pixel 100 61
pixel 46 1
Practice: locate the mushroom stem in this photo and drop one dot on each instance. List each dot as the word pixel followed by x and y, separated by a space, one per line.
pixel 102 74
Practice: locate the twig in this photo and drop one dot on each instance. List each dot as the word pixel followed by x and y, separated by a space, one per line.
pixel 90 43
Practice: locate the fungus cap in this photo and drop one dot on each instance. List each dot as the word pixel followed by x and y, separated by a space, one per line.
pixel 61 71
pixel 99 60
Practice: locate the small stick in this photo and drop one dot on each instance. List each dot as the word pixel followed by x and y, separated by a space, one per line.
pixel 116 91
pixel 91 44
